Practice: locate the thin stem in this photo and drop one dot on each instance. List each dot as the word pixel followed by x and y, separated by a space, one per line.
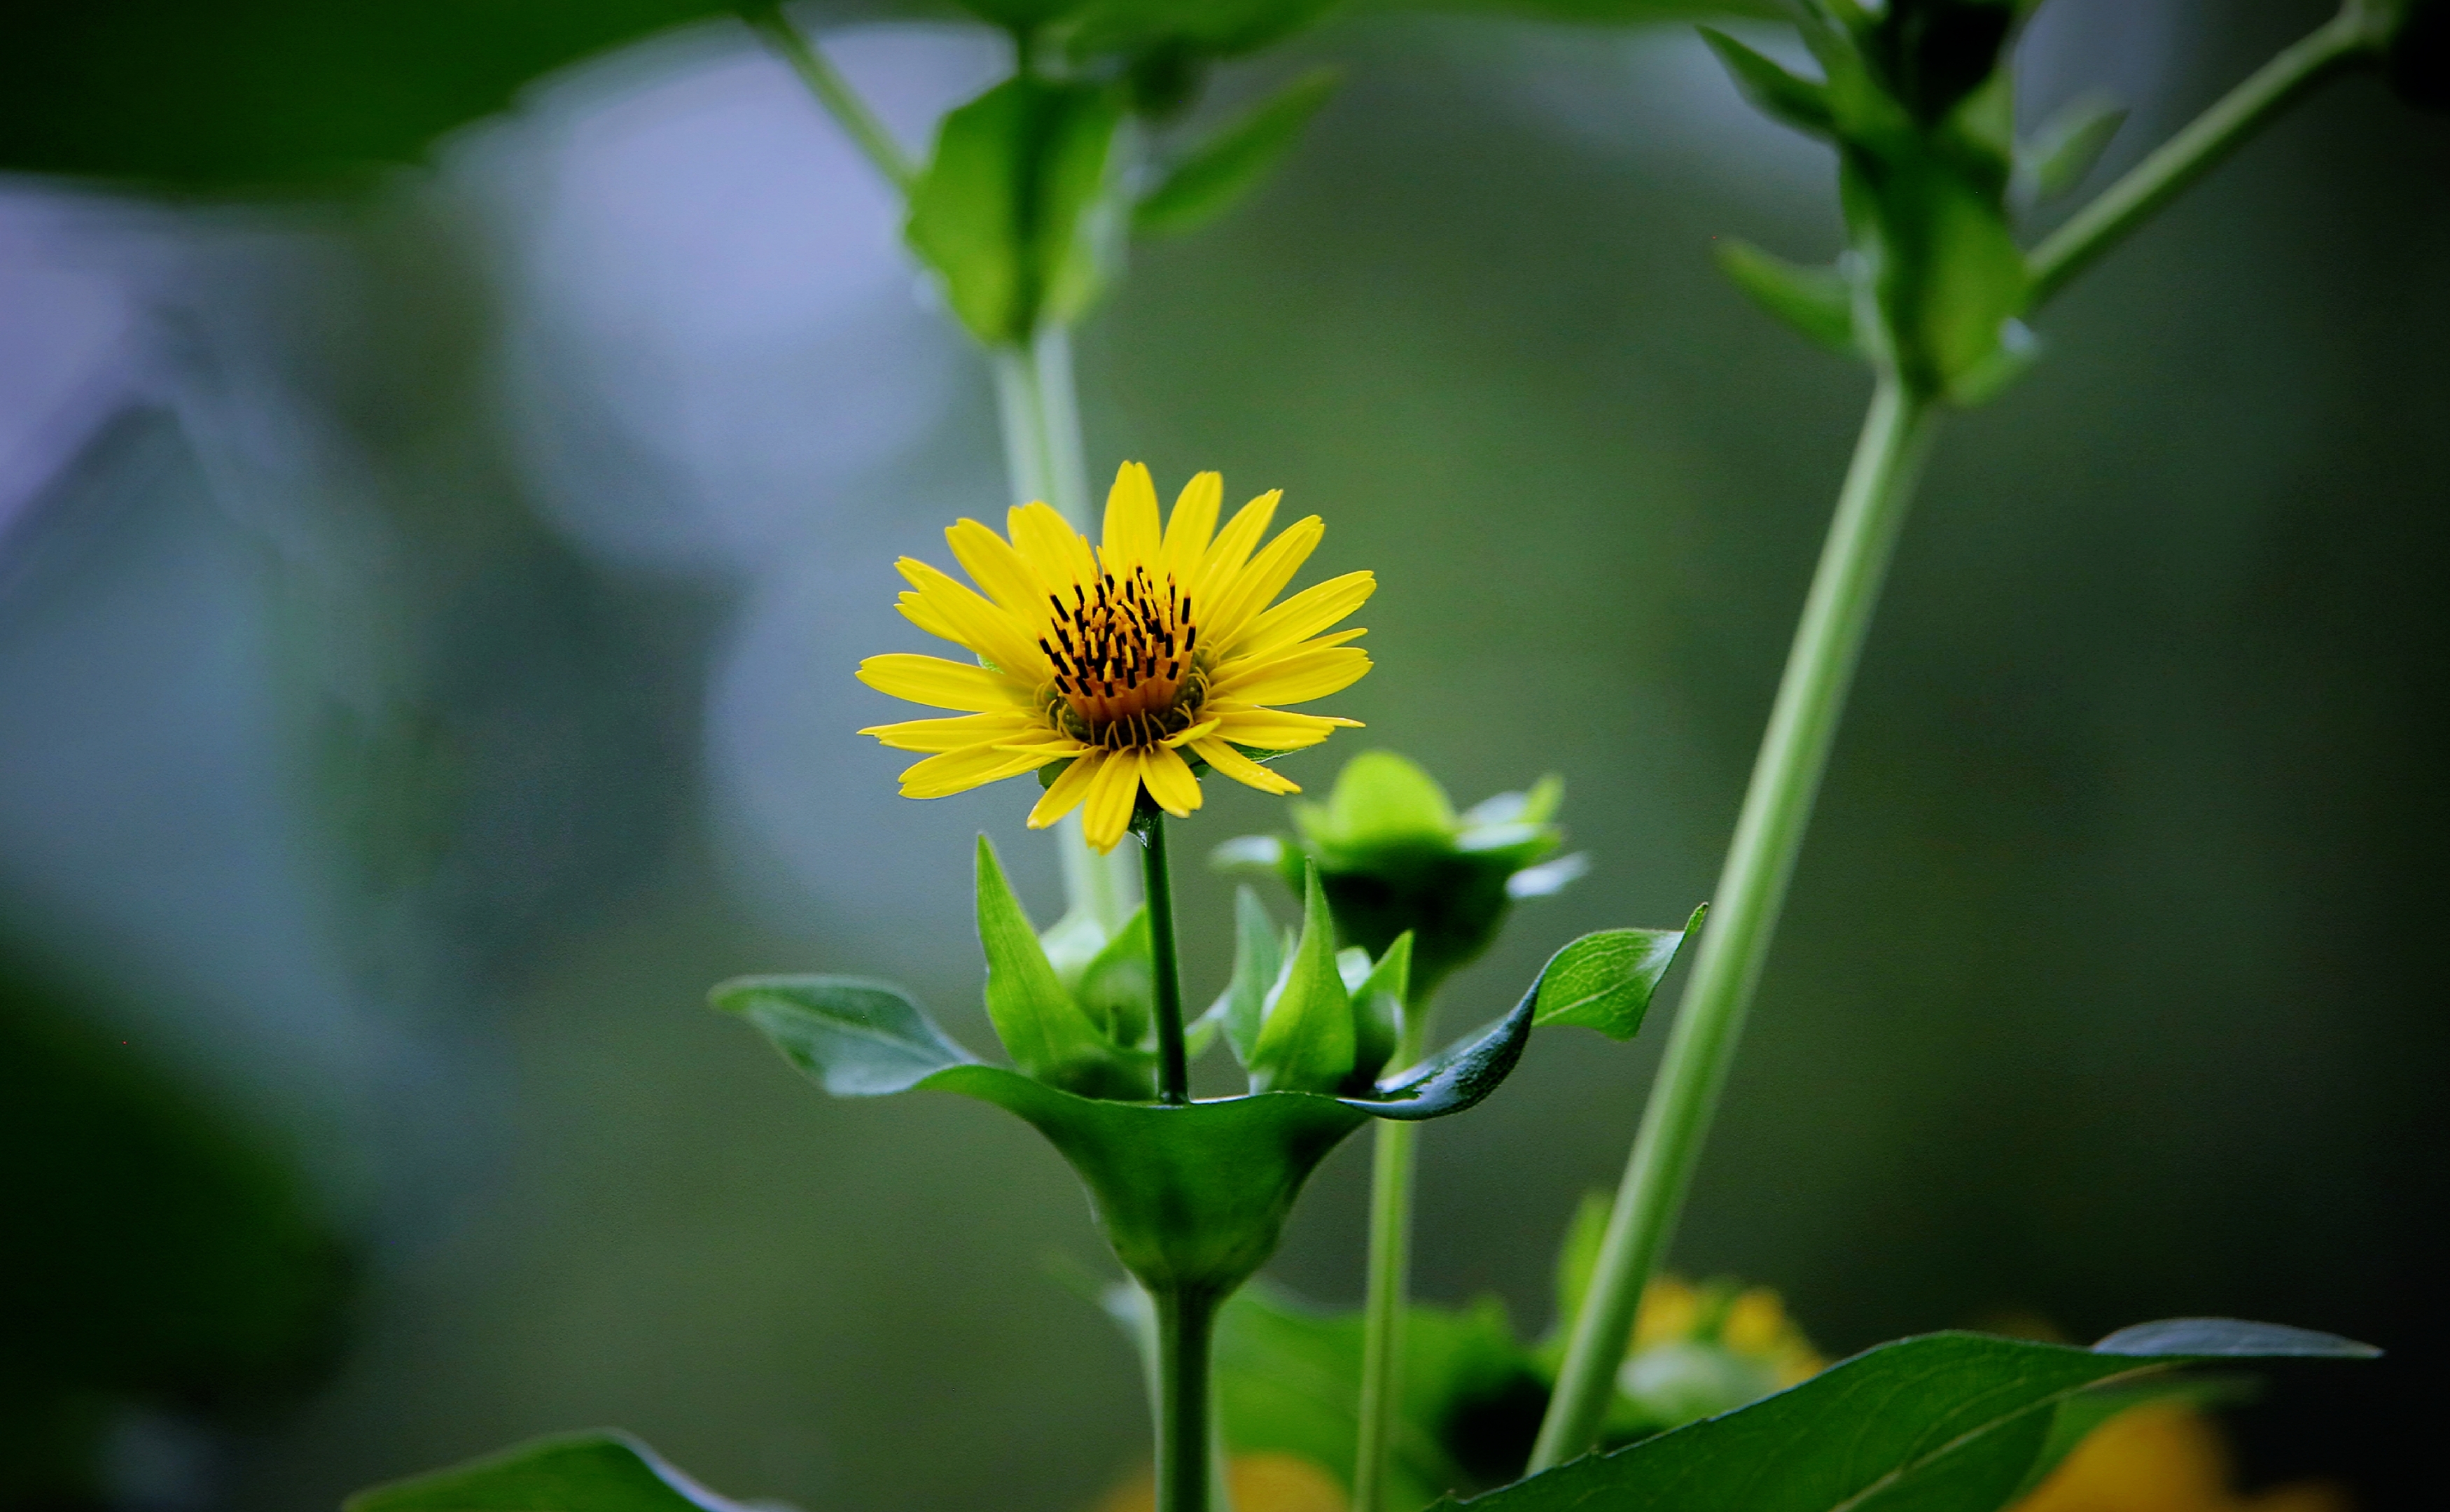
pixel 1172 1070
pixel 834 92
pixel 1778 805
pixel 1043 460
pixel 1392 1161
pixel 2209 137
pixel 1185 1327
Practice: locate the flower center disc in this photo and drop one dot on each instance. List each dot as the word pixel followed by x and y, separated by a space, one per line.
pixel 1126 673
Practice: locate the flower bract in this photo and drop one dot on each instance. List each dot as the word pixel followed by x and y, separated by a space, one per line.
pixel 1121 663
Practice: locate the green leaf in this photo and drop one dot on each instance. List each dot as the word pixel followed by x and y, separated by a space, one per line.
pixel 1944 1422
pixel 1231 163
pixel 245 95
pixel 1013 211
pixel 1604 981
pixel 1378 1010
pixel 602 1471
pixel 1306 1041
pixel 854 1037
pixel 1621 13
pixel 1199 28
pixel 1046 1031
pixel 1258 959
pixel 1800 103
pixel 1117 987
pixel 1816 301
pixel 2068 145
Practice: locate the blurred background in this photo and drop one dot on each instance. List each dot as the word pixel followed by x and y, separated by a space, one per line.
pixel 426 625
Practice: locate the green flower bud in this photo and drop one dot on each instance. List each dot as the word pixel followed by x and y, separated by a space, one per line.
pixel 2412 38
pixel 1396 858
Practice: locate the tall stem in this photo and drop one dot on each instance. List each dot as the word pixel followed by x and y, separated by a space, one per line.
pixel 1036 402
pixel 1392 1161
pixel 2209 137
pixel 1778 805
pixel 1185 1327
pixel 834 92
pixel 1173 1068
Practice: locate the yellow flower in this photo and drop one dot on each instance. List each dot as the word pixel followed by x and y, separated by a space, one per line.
pixel 2164 1457
pixel 1118 658
pixel 1259 1482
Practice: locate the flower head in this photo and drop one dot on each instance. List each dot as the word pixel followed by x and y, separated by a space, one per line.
pixel 1113 661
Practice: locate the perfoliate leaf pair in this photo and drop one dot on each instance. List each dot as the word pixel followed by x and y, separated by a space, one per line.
pixel 1395 857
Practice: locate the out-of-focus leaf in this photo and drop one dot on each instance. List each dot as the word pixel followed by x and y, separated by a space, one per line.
pixel 2068 145
pixel 1943 1423
pixel 1816 301
pixel 1604 981
pixel 602 1471
pixel 282 94
pixel 1229 165
pixel 854 1037
pixel 1199 28
pixel 1619 12
pixel 1014 211
pixel 1782 96
pixel 1258 957
pixel 1378 1009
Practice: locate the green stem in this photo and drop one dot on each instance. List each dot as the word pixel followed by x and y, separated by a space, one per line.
pixel 1043 460
pixel 834 92
pixel 1173 1068
pixel 1392 1160
pixel 1778 805
pixel 1185 1327
pixel 2209 137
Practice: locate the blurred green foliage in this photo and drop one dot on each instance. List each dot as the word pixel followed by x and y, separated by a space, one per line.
pixel 158 1257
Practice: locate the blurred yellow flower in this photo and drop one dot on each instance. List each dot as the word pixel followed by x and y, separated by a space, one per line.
pixel 2164 1457
pixel 1259 1482
pixel 1751 1325
pixel 1118 658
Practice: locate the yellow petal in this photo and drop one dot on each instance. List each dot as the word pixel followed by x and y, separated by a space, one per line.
pixel 1303 615
pixel 1296 678
pixel 952 734
pixel 1131 520
pixel 915 608
pixel 1233 545
pixel 1107 812
pixel 1052 549
pixel 1168 779
pixel 976 623
pixel 1063 795
pixel 996 567
pixel 1195 732
pixel 1242 769
pixel 940 683
pixel 1277 729
pixel 1234 602
pixel 960 770
pixel 1193 523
